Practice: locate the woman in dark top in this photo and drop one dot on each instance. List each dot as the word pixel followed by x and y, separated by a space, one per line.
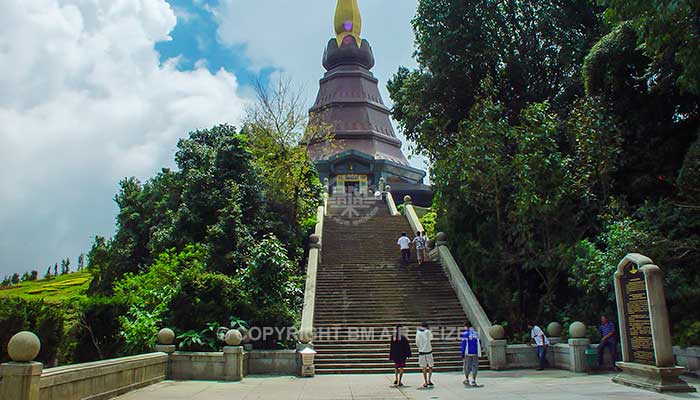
pixel 399 351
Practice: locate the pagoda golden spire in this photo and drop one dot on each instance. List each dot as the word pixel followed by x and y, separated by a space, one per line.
pixel 348 21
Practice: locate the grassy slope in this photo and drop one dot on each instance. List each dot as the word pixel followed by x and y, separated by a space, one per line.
pixel 63 287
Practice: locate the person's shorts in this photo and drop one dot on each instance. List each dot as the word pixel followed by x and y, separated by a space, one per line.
pixel 400 364
pixel 426 360
pixel 471 364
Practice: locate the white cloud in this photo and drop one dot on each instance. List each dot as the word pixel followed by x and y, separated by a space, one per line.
pixel 85 102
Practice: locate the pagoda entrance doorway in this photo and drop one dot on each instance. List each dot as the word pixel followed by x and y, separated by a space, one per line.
pixel 351 184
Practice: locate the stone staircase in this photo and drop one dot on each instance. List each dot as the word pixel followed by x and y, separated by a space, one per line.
pixel 362 292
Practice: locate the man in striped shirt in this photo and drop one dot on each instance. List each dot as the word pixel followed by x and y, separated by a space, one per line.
pixel 607 329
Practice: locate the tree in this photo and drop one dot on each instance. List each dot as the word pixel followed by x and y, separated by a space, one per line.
pixel 280 133
pixel 530 50
pixel 55 269
pixel 34 275
pixel 81 262
pixel 48 273
pixel 668 30
pixel 15 279
pixel 65 266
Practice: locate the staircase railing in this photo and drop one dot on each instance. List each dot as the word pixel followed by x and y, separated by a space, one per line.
pixel 467 299
pixel 306 330
pixel 393 211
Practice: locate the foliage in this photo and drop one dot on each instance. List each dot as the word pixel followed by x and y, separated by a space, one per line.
pixel 428 220
pixel 530 50
pixel 668 30
pixel 276 124
pixel 63 287
pixel 213 199
pixel 44 319
pixel 97 334
pixel 148 295
pixel 688 334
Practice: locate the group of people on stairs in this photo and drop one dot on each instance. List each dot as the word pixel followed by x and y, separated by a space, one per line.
pixel 400 351
pixel 420 242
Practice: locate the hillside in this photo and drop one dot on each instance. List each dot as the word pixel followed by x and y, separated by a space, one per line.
pixel 60 288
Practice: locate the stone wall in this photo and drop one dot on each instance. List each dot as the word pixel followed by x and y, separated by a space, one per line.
pixel 688 358
pixel 103 379
pixel 273 362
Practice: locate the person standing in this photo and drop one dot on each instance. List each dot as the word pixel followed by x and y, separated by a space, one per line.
pixel 426 362
pixel 405 245
pixel 540 340
pixel 419 242
pixel 399 351
pixel 471 351
pixel 425 246
pixel 607 329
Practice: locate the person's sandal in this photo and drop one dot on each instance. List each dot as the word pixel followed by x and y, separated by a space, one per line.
pixel 396 383
pixel 425 385
pixel 400 384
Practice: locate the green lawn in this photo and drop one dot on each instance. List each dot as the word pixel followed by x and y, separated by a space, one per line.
pixel 56 289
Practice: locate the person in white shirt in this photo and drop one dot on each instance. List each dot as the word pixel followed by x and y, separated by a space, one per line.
pixel 405 245
pixel 540 340
pixel 425 353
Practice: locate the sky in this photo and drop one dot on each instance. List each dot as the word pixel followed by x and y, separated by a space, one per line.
pixel 92 91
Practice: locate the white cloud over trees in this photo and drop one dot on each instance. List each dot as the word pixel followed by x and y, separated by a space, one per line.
pixel 84 101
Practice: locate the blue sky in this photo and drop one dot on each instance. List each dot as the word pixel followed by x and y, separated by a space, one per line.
pixel 194 39
pixel 96 91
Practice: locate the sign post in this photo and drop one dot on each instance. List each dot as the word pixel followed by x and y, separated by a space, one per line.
pixel 645 333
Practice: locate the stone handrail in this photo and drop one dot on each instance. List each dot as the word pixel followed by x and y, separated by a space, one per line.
pixel 471 306
pixel 391 204
pixel 307 315
pixel 413 220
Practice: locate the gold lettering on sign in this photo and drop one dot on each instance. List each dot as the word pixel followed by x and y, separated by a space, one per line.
pixel 637 331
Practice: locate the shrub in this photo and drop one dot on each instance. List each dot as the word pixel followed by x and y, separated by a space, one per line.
pixel 97 333
pixel 44 319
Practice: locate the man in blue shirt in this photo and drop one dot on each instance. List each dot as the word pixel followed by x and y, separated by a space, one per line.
pixel 607 329
pixel 471 351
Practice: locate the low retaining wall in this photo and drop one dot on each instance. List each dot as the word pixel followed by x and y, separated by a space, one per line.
pixel 273 362
pixel 688 358
pixel 103 379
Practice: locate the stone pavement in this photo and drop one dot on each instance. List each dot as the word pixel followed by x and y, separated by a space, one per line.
pixel 497 385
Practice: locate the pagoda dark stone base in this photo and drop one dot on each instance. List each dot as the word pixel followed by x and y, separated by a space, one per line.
pixel 649 377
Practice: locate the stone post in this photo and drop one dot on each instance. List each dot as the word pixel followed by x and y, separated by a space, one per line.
pixel 233 363
pixel 166 344
pixel 440 239
pixel 554 332
pixel 578 344
pixel 233 356
pixel 21 378
pixel 497 348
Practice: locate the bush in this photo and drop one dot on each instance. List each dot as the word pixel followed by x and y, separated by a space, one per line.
pixel 44 319
pixel 688 334
pixel 205 297
pixel 97 333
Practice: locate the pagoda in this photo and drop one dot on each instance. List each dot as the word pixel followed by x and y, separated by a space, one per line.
pixel 362 150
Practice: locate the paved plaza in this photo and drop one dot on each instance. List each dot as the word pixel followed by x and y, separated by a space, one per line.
pixel 497 385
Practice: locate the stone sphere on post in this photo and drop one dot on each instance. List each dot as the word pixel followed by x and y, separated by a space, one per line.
pixel 166 337
pixel 407 199
pixel 315 241
pixel 497 332
pixel 387 188
pixel 24 347
pixel 441 238
pixel 306 336
pixel 577 330
pixel 233 338
pixel 554 329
